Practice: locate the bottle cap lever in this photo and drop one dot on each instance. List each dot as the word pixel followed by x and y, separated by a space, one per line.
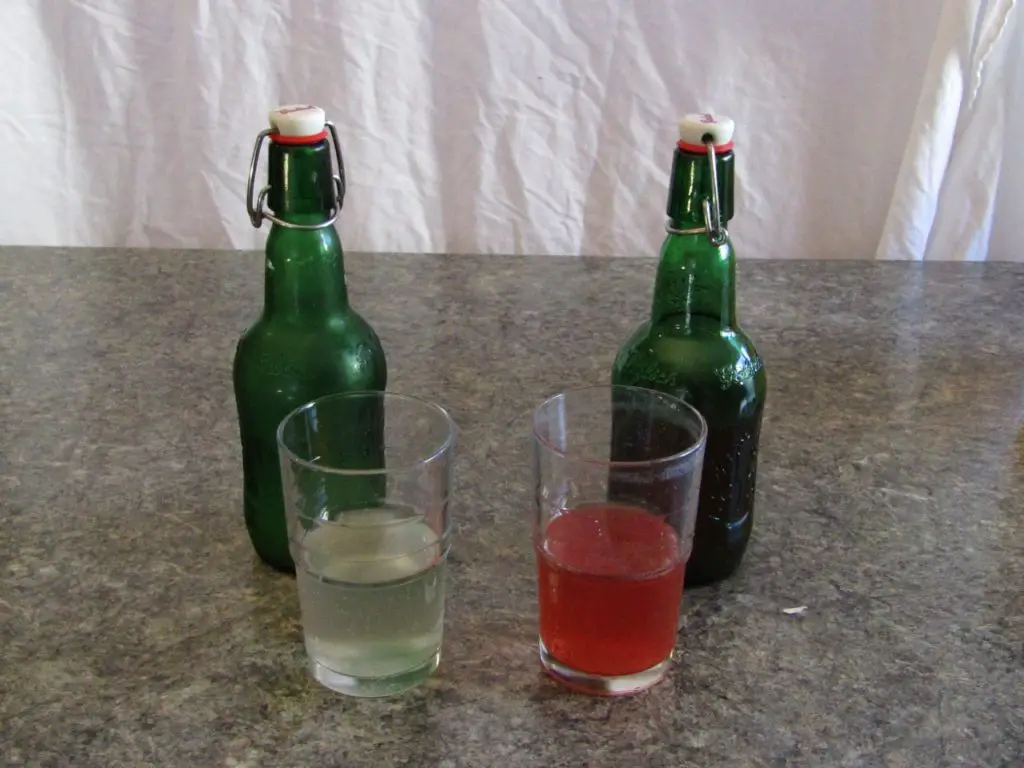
pixel 257 208
pixel 712 208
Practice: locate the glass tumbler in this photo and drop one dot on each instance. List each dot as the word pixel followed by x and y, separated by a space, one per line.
pixel 367 478
pixel 616 475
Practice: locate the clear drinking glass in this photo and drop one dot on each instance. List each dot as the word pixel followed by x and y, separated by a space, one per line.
pixel 367 477
pixel 617 475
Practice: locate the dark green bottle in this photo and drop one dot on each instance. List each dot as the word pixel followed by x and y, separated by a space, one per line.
pixel 693 347
pixel 308 342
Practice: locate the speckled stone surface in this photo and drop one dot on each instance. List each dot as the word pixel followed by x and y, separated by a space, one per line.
pixel 137 627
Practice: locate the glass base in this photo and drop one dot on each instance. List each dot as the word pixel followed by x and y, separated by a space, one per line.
pixel 374 687
pixel 601 685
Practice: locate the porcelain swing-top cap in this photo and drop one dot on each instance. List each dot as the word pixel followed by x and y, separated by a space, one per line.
pixel 298 121
pixel 695 128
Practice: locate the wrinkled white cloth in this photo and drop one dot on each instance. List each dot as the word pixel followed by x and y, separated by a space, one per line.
pixel 945 196
pixel 865 127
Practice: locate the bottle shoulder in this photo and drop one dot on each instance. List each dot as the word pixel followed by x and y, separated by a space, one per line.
pixel 694 332
pixel 341 328
pixel 344 353
pixel 700 354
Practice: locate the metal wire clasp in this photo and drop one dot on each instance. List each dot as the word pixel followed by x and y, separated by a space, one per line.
pixel 257 208
pixel 712 208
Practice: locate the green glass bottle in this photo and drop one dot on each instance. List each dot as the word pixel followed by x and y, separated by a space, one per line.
pixel 693 347
pixel 307 342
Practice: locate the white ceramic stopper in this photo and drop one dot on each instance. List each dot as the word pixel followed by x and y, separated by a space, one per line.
pixel 298 120
pixel 694 128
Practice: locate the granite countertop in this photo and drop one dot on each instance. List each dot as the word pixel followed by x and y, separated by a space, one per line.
pixel 138 628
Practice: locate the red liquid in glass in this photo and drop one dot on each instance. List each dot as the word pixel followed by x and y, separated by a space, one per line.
pixel 609 582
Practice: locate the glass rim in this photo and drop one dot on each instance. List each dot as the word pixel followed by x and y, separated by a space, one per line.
pixel 384 395
pixel 575 456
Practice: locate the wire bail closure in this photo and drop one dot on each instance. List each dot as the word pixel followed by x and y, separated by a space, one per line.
pixel 257 209
pixel 712 207
pixel 717 234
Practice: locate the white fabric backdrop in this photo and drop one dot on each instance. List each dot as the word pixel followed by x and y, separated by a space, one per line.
pixel 866 127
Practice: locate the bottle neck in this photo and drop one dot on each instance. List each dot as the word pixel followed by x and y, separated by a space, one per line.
pixel 696 278
pixel 301 182
pixel 691 184
pixel 305 270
